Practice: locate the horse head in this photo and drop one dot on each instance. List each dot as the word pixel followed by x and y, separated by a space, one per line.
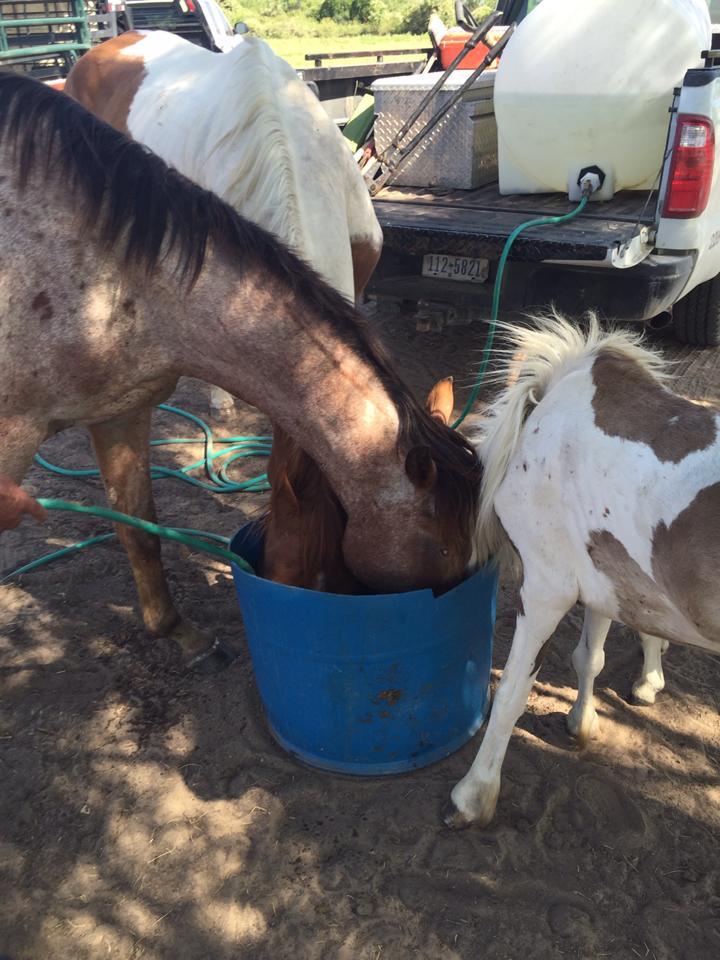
pixel 306 527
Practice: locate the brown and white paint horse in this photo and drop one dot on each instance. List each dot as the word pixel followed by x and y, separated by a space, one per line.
pixel 244 126
pixel 118 275
pixel 605 486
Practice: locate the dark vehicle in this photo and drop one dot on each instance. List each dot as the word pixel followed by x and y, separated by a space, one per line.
pixel 340 87
pixel 199 21
pixel 176 16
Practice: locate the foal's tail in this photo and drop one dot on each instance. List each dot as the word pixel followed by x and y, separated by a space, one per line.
pixel 540 355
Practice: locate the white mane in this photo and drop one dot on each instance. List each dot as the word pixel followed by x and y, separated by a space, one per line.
pixel 540 356
pixel 244 125
pixel 259 179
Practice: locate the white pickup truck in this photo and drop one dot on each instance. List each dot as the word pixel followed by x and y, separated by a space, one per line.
pixel 649 257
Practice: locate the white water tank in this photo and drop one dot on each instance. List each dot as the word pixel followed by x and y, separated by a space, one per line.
pixel 589 82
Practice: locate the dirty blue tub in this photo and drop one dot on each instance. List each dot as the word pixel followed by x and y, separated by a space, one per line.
pixel 368 685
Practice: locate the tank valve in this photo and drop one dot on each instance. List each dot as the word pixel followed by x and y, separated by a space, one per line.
pixel 590 180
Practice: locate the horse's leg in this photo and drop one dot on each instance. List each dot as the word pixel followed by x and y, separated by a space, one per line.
pixel 651 680
pixel 588 659
pixel 21 437
pixel 474 798
pixel 122 448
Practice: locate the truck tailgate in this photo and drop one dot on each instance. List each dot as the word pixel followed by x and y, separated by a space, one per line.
pixel 476 223
pixel 569 265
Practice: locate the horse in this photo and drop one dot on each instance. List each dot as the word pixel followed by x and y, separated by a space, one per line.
pixel 600 485
pixel 246 127
pixel 305 523
pixel 652 678
pixel 118 275
pixel 243 125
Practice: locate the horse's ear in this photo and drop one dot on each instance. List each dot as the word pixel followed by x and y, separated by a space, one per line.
pixel 420 468
pixel 440 401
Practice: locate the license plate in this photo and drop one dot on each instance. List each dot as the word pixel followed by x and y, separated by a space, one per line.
pixel 467 269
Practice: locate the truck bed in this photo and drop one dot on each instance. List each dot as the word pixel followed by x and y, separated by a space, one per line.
pixel 477 222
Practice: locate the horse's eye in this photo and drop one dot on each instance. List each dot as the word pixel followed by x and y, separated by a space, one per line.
pixel 444 551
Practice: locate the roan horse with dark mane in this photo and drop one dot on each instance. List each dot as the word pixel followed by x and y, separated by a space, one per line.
pixel 243 125
pixel 117 276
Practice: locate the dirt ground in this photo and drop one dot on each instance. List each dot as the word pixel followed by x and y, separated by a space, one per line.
pixel 148 813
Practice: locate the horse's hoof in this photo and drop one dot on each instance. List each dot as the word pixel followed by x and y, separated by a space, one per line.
pixel 197 652
pixel 453 818
pixel 583 729
pixel 472 801
pixel 643 695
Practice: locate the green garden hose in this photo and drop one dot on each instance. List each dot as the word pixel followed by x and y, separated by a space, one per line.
pixel 56 555
pixel 197 539
pixel 191 538
pixel 235 448
pixel 485 360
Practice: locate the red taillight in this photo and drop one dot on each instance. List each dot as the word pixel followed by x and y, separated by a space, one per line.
pixel 190 5
pixel 691 170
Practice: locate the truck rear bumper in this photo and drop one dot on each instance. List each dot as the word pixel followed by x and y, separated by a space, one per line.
pixel 572 287
pixel 567 265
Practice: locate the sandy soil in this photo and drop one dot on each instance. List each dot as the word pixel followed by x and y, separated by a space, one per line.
pixel 148 813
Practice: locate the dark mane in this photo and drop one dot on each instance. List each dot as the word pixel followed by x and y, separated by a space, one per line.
pixel 145 212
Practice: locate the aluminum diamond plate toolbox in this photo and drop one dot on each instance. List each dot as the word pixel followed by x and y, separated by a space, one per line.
pixel 461 152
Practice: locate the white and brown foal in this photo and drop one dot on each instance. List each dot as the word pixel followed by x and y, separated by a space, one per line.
pixel 605 486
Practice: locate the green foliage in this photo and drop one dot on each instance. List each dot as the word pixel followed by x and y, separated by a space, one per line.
pixel 372 12
pixel 277 8
pixel 337 10
pixel 416 19
pixel 361 11
pixel 417 16
pixel 328 19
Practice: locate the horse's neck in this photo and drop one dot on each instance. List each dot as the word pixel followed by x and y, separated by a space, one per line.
pixel 260 342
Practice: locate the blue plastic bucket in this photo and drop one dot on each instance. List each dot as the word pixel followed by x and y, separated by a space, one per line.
pixel 373 684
